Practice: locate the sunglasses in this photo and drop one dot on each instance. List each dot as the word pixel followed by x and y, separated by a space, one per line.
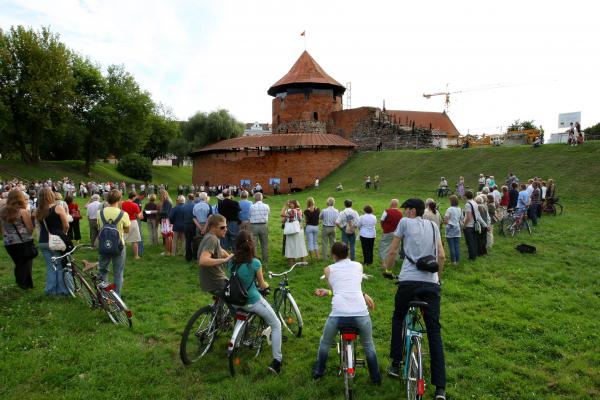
pixel 223 227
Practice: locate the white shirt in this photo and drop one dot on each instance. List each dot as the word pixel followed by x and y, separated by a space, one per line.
pixel 345 278
pixel 497 196
pixel 92 209
pixel 259 213
pixel 366 225
pixel 345 215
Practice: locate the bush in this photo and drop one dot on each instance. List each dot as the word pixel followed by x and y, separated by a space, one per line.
pixel 136 166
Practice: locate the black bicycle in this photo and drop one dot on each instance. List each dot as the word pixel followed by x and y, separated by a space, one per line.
pixel 203 328
pixel 98 293
pixel 553 207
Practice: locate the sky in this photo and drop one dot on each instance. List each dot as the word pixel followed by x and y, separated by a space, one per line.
pixel 527 60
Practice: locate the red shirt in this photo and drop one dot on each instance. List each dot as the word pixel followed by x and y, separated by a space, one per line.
pixel 392 219
pixel 131 209
pixel 504 200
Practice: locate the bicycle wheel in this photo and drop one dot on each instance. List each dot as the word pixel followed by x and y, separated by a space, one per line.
pixel 347 352
pixel 504 226
pixel 415 384
pixel 72 284
pixel 558 209
pixel 288 312
pixel 198 335
pixel 116 309
pixel 527 226
pixel 246 344
pixel 87 293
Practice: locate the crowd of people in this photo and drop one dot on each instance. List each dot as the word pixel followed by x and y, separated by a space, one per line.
pixel 232 231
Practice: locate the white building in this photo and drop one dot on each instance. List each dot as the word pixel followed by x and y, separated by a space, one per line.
pixel 257 128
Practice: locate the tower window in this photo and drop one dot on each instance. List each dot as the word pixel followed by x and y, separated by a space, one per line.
pixel 315 116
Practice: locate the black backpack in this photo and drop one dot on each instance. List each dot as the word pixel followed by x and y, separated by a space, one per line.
pixel 109 239
pixel 234 291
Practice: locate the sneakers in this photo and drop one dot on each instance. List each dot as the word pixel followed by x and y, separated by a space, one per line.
pixel 440 394
pixel 275 367
pixel 394 369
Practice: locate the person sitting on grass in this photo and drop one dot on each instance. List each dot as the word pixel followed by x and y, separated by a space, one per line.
pixel 349 308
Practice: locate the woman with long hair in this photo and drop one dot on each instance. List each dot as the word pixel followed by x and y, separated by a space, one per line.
pixel 431 213
pixel 52 218
pixel 311 216
pixel 166 228
pixel 17 229
pixel 295 247
pixel 249 270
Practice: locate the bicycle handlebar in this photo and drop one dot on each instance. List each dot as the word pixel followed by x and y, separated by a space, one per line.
pixel 272 274
pixel 54 259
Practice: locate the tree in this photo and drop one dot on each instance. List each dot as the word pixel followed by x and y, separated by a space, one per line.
pixel 163 129
pixel 180 148
pixel 135 166
pixel 203 129
pixel 521 126
pixel 593 130
pixel 35 83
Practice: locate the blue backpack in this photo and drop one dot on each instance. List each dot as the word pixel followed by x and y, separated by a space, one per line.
pixel 109 239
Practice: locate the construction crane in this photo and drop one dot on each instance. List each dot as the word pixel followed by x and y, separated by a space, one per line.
pixel 446 93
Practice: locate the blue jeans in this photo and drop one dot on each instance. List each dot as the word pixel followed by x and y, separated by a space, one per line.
pixel 118 263
pixel 312 234
pixel 263 309
pixel 55 286
pixel 350 240
pixel 332 328
pixel 453 243
pixel 141 244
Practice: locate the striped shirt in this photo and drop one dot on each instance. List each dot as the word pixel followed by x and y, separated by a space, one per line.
pixel 329 216
pixel 259 213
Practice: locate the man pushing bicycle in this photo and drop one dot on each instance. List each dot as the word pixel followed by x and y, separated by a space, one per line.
pixel 422 248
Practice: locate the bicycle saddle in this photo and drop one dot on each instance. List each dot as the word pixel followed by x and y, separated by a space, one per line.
pixel 418 303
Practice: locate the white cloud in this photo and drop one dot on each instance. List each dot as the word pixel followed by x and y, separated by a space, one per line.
pixel 203 55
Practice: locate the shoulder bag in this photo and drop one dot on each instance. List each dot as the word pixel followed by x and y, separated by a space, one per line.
pixel 234 291
pixel 291 227
pixel 428 263
pixel 55 242
pixel 476 223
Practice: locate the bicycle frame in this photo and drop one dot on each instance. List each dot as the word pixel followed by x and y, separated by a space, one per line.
pixel 414 329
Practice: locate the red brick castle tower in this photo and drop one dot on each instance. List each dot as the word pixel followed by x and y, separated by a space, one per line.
pixel 305 99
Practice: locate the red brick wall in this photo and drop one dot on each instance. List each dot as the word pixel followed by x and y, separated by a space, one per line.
pixel 345 121
pixel 303 166
pixel 296 107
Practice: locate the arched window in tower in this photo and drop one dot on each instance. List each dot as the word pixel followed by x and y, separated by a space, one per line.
pixel 315 116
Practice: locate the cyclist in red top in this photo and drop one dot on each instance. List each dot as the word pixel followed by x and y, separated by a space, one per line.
pixel 134 213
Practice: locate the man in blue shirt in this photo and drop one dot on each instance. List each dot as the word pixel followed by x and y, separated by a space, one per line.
pixel 245 211
pixel 522 200
pixel 201 211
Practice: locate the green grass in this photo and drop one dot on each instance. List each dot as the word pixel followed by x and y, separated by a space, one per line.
pixel 514 326
pixel 101 172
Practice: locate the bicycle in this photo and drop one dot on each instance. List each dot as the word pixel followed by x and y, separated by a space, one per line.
pixel 443 192
pixel 553 207
pixel 248 335
pixel 513 222
pixel 104 295
pixel 412 335
pixel 203 328
pixel 348 361
pixel 284 304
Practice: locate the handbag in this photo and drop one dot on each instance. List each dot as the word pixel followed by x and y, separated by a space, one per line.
pixel 55 242
pixel 292 227
pixel 428 263
pixel 76 214
pixel 234 291
pixel 29 250
pixel 476 223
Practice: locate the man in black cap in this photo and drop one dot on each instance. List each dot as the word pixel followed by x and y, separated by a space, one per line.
pixel 420 238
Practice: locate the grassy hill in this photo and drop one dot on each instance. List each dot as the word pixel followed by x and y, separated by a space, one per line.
pixel 100 172
pixel 514 326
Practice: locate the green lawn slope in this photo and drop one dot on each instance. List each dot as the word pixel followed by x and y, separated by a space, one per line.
pixel 101 172
pixel 514 326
